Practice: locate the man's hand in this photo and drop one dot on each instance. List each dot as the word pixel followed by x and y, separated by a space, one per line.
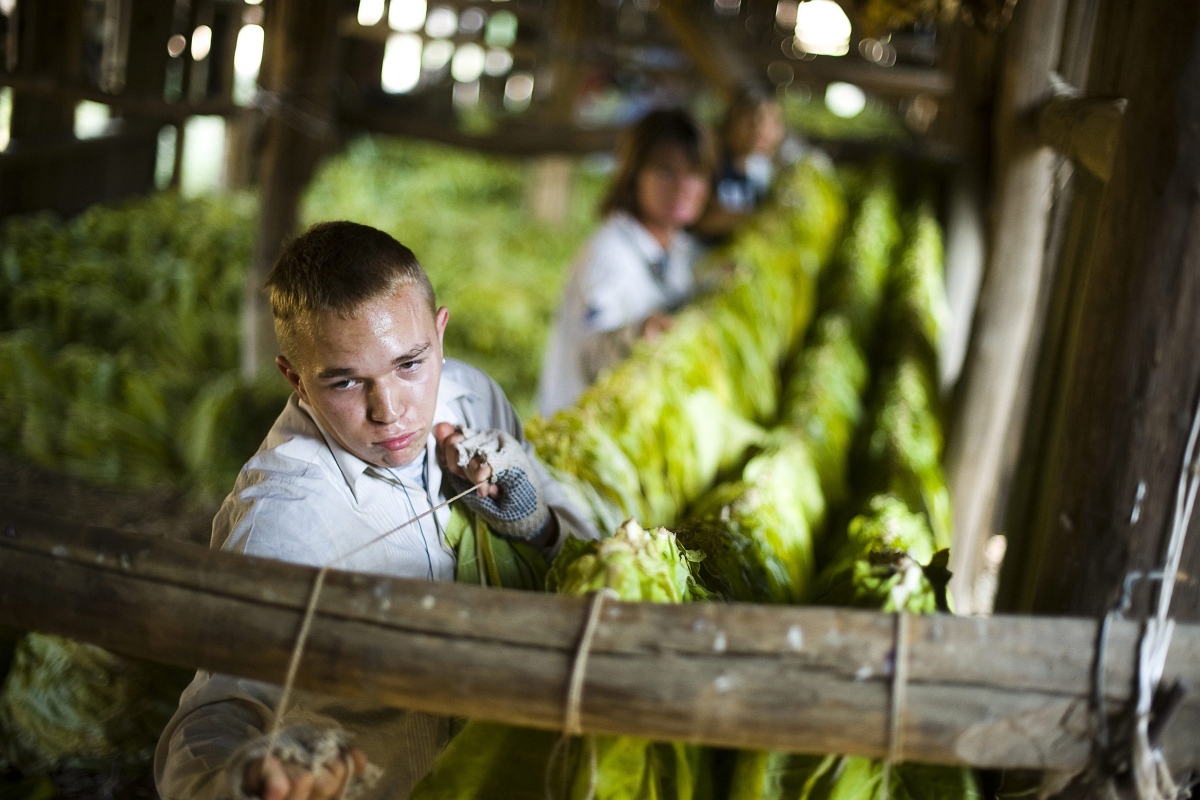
pixel 511 502
pixel 476 471
pixel 272 779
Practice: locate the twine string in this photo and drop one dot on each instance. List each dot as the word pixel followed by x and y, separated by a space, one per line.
pixel 572 724
pixel 572 715
pixel 311 608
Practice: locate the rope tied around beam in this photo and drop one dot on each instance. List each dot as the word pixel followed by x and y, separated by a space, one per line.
pixel 572 714
pixel 274 734
pixel 1152 778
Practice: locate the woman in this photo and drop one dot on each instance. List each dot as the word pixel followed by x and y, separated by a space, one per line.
pixel 637 268
pixel 750 137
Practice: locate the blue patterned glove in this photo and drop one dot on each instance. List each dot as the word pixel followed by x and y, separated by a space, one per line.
pixel 519 511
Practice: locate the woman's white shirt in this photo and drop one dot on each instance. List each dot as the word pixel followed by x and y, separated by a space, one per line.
pixel 612 285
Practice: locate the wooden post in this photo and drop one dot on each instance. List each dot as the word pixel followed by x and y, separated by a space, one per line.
pixel 297 75
pixel 549 193
pixel 990 396
pixel 973 55
pixel 1129 376
pixel 51 47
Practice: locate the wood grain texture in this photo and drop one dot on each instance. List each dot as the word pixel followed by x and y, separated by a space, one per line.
pixel 998 692
pixel 992 397
pixel 1130 377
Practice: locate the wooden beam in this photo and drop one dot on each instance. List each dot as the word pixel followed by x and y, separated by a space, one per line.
pixel 717 60
pixel 991 396
pixel 897 81
pixel 999 692
pixel 298 73
pixel 516 138
pixel 1085 129
pixel 141 105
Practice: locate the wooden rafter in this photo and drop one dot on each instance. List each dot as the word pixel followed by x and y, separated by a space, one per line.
pixel 719 62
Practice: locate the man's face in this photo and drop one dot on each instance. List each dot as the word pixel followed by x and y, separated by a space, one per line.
pixel 372 378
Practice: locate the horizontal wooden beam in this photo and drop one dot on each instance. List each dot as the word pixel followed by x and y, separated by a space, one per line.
pixel 142 106
pixel 896 81
pixel 988 692
pixel 510 138
pixel 1085 129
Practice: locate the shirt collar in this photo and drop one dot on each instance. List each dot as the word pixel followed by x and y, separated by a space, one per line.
pixel 352 467
pixel 642 239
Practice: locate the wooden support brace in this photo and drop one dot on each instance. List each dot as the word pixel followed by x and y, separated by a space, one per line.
pixel 1085 129
pixel 714 57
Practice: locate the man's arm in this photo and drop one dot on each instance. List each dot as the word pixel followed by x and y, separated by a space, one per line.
pixel 214 748
pixel 217 716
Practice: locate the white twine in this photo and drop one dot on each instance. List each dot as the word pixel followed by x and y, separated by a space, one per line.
pixel 311 608
pixel 1151 777
pixel 572 723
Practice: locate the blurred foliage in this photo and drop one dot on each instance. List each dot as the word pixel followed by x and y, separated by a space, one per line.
pixel 119 329
pixel 812 118
pixel 68 704
pixel 119 339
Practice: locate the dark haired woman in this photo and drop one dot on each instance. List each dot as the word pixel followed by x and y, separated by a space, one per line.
pixel 637 268
pixel 751 134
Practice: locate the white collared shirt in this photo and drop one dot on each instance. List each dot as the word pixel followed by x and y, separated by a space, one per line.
pixel 304 499
pixel 611 285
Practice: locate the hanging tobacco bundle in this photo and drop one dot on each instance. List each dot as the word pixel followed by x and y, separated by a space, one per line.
pixel 757 532
pixel 653 433
pixel 892 556
pixel 504 762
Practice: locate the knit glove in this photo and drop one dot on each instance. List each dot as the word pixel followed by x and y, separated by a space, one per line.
pixel 519 511
pixel 309 746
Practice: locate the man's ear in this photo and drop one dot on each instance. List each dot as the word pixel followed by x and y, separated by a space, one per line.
pixel 441 318
pixel 292 375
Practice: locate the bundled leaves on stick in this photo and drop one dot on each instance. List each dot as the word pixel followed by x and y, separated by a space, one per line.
pixel 757 532
pixel 889 558
pixel 502 762
pixel 655 432
pixel 858 284
pixel 823 400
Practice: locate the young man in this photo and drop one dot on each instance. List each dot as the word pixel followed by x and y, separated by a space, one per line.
pixel 369 440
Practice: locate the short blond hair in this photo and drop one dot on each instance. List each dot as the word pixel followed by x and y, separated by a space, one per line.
pixel 337 267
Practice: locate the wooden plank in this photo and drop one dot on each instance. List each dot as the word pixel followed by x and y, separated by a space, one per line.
pixel 142 105
pixel 898 81
pixel 1001 692
pixel 515 138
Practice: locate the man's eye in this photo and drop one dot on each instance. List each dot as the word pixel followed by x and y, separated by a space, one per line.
pixel 409 366
pixel 346 383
